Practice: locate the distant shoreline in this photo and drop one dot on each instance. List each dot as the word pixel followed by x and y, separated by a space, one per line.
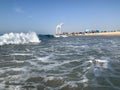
pixel 117 33
pixel 103 34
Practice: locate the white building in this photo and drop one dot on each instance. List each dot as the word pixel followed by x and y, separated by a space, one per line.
pixel 59 28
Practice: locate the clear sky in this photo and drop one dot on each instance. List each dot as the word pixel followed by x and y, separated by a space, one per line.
pixel 42 16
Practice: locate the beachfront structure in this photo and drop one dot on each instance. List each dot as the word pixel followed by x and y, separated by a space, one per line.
pixel 88 31
pixel 91 31
pixel 59 29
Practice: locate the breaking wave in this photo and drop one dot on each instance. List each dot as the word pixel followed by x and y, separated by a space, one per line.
pixel 19 38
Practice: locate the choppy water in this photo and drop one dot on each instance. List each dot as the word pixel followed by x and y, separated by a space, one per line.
pixel 72 63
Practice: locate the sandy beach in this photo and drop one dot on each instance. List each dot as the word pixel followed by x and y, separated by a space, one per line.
pixel 116 33
pixel 103 34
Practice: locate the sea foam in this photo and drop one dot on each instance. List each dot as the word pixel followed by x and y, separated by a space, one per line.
pixel 19 38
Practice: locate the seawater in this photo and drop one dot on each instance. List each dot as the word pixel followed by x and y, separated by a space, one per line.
pixel 71 63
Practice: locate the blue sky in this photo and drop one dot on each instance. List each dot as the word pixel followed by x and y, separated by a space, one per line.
pixel 42 16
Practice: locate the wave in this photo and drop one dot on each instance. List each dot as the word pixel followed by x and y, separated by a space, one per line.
pixel 19 38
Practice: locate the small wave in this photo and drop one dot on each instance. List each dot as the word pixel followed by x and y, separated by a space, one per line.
pixel 21 54
pixel 19 38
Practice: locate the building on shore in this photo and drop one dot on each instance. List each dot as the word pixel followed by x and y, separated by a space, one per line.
pixel 59 29
pixel 87 32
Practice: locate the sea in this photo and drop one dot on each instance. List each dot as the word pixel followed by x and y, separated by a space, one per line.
pixel 43 62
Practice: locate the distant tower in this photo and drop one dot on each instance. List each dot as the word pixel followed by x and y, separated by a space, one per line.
pixel 58 29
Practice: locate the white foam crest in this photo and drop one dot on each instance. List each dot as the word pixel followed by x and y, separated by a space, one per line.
pixel 44 59
pixel 54 66
pixel 102 63
pixel 98 66
pixel 18 61
pixel 84 79
pixel 71 84
pixel 52 78
pixel 12 87
pixel 19 38
pixel 21 54
pixel 17 88
pixel 19 69
pixel 99 63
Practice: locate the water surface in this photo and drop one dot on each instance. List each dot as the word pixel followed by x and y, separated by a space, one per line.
pixel 71 63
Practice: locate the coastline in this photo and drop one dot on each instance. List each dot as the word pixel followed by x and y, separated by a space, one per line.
pixel 116 33
pixel 103 34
